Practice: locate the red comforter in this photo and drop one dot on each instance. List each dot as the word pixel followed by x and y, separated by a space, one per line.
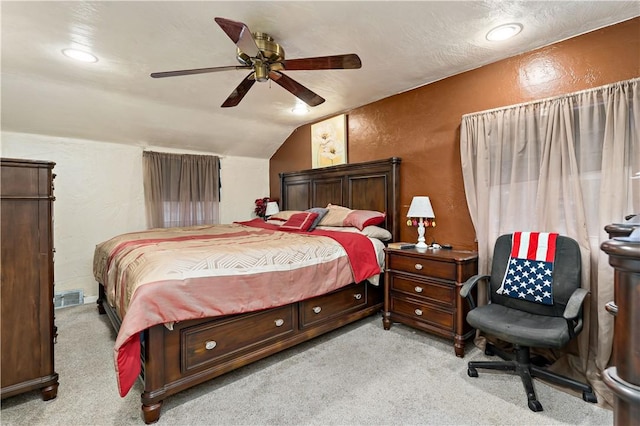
pixel 162 276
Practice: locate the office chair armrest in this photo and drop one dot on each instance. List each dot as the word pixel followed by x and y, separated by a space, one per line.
pixel 572 311
pixel 465 291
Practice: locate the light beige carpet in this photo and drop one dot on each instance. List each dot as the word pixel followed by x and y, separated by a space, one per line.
pixel 360 375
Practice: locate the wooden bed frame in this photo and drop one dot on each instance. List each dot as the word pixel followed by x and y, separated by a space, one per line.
pixel 173 361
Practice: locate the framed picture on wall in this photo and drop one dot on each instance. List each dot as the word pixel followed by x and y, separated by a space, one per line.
pixel 329 142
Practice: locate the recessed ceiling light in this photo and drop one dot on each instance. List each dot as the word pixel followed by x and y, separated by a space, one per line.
pixel 79 55
pixel 504 32
pixel 300 109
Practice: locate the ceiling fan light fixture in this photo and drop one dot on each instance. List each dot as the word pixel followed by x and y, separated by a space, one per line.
pixel 261 71
pixel 504 32
pixel 79 55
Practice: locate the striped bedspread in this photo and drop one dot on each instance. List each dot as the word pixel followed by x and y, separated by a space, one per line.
pixel 176 274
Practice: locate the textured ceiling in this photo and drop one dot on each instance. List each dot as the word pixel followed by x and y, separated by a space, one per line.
pixel 402 45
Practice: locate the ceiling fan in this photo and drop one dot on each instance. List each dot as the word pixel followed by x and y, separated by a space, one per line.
pixel 265 58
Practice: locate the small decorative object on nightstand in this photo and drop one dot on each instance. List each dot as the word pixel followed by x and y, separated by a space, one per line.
pixel 422 290
pixel 421 208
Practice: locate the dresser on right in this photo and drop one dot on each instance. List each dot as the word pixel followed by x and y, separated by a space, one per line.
pixel 623 376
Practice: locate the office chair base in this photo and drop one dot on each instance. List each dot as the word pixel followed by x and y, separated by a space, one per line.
pixel 521 365
pixel 534 405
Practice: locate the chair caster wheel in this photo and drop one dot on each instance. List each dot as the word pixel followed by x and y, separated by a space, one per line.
pixel 472 372
pixel 589 397
pixel 535 405
pixel 488 350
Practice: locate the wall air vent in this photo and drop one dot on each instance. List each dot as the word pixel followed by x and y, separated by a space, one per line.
pixel 64 299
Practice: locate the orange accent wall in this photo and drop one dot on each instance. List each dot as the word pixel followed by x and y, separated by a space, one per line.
pixel 422 126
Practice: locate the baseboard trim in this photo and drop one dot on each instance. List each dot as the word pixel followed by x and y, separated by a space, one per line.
pixel 90 299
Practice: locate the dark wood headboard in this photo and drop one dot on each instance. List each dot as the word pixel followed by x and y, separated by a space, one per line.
pixel 373 185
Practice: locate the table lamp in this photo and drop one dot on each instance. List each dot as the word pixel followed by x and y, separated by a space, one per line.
pixel 421 208
pixel 272 208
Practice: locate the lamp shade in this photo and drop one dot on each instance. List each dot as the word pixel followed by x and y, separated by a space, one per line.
pixel 421 207
pixel 272 208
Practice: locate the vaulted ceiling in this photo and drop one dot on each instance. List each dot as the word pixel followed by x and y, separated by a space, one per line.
pixel 402 45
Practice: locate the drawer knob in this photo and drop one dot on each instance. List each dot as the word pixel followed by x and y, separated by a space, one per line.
pixel 418 289
pixel 317 309
pixel 357 296
pixel 279 322
pixel 210 344
pixel 418 266
pixel 418 312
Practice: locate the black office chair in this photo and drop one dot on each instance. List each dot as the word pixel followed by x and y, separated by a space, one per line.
pixel 525 323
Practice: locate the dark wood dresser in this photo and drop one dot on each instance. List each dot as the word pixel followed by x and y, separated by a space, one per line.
pixel 422 290
pixel 623 375
pixel 26 269
pixel 619 229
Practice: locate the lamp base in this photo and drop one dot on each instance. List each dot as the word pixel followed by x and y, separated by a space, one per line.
pixel 421 241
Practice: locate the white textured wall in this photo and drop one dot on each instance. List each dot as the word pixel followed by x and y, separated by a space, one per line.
pixel 243 181
pixel 99 194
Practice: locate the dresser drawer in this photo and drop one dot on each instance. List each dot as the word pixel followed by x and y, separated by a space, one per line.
pixel 422 266
pixel 208 343
pixel 433 291
pixel 323 307
pixel 422 312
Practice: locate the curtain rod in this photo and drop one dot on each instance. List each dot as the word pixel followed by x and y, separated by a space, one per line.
pixel 539 101
pixel 170 151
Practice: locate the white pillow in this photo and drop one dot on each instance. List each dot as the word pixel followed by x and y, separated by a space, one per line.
pixel 369 231
pixel 381 234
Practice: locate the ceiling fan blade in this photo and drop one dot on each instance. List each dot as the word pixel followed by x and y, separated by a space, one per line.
pixel 238 93
pixel 345 62
pixel 296 88
pixel 197 71
pixel 240 34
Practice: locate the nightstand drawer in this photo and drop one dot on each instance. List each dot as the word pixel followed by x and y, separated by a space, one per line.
pixel 434 291
pixel 422 312
pixel 423 266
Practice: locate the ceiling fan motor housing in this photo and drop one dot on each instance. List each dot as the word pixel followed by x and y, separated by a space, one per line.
pixel 272 55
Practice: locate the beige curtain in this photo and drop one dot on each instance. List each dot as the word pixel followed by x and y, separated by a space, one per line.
pixel 559 165
pixel 180 190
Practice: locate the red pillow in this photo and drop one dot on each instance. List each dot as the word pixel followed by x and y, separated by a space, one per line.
pixel 363 218
pixel 300 221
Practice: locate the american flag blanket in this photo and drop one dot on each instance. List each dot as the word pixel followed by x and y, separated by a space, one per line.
pixel 529 275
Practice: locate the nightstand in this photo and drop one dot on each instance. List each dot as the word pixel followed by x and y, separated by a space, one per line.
pixel 422 290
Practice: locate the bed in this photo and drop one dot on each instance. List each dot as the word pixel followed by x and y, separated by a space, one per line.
pixel 176 355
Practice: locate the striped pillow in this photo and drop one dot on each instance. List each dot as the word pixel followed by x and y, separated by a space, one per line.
pixel 300 221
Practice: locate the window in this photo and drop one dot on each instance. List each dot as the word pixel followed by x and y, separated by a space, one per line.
pixel 181 189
